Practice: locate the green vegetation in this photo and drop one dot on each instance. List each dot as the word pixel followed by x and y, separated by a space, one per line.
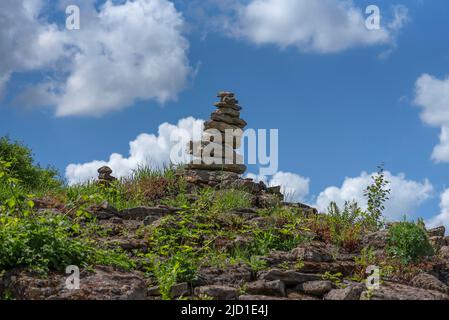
pixel 204 232
pixel 345 226
pixel 22 167
pixel 408 242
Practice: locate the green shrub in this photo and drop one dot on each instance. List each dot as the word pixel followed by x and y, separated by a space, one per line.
pixel 408 242
pixel 31 176
pixel 377 194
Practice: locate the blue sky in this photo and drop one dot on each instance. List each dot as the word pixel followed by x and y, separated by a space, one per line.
pixel 338 113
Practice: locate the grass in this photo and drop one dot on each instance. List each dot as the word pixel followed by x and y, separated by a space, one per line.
pixel 202 233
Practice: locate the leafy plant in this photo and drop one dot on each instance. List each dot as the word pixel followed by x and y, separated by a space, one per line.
pixel 377 194
pixel 408 242
pixel 31 176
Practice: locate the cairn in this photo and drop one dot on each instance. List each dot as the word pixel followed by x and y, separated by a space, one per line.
pixel 104 176
pixel 221 137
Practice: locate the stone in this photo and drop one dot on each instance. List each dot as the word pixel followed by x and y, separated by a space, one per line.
pixel 104 283
pixel 316 288
pixel 103 211
pixel 267 200
pixel 250 297
pixel 104 175
pixel 444 253
pixel 396 291
pixel 221 126
pixel 351 292
pixel 295 295
pixel 267 288
pixel 228 111
pixel 219 117
pixel 289 277
pixel 313 252
pixel 217 292
pixel 236 168
pixel 176 291
pixel 128 244
pixel 429 282
pixel 229 275
pixel 437 242
pixel 437 232
pixel 226 105
pixel 376 240
pixel 140 213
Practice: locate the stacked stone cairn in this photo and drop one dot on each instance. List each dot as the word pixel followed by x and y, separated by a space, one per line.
pixel 221 137
pixel 224 170
pixel 105 176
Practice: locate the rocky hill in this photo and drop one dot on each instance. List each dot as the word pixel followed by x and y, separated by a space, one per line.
pixel 210 235
pixel 201 231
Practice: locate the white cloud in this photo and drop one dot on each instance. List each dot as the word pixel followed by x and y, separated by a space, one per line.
pixel 294 187
pixel 406 195
pixel 323 26
pixel 127 51
pixel 443 218
pixel 147 149
pixel 432 95
pixel 26 43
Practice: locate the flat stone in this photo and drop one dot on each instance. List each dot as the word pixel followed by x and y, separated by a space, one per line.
pixel 429 282
pixel 444 253
pixel 250 297
pixel 103 211
pixel 313 252
pixel 351 292
pixel 396 291
pixel 437 242
pixel 235 168
pixel 222 104
pixel 220 126
pixel 140 213
pixel 219 117
pixel 217 292
pixel 228 111
pixel 177 290
pixel 267 288
pixel 289 277
pixel 229 275
pixel 437 232
pixel 104 283
pixel 316 288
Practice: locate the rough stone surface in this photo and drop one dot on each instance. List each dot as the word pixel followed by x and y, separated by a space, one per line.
pixel 351 292
pixel 437 232
pixel 316 288
pixel 289 277
pixel 250 297
pixel 217 292
pixel 140 213
pixel 268 288
pixel 396 291
pixel 177 290
pixel 376 240
pixel 430 282
pixel 232 274
pixel 103 284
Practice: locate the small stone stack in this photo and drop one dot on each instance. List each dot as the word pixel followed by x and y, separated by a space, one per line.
pixel 224 119
pixel 104 176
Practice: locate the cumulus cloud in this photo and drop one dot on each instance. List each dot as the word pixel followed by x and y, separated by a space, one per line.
pixel 26 43
pixel 443 218
pixel 124 52
pixel 293 186
pixel 432 95
pixel 323 26
pixel 406 195
pixel 152 150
